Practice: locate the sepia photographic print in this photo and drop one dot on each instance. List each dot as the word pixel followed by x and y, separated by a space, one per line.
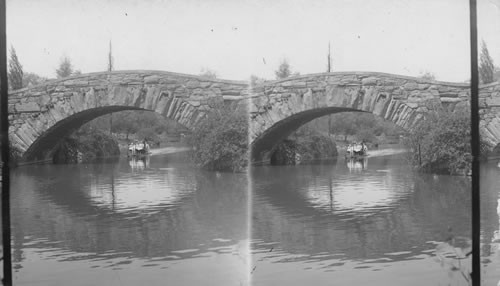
pixel 320 142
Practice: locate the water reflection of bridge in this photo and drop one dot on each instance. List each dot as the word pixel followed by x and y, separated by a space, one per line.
pixel 319 209
pixel 92 209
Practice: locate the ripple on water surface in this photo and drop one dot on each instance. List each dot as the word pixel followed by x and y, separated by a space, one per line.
pixel 369 221
pixel 150 223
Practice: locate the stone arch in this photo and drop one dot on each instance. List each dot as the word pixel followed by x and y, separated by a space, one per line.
pixel 48 139
pixel 279 107
pixel 42 114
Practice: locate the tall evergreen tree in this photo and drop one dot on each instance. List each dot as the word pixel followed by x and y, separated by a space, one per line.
pixel 283 70
pixel 15 74
pixel 486 66
pixel 65 68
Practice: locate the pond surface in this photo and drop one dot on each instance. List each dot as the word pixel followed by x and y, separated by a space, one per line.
pixel 365 222
pixel 163 222
pixel 155 222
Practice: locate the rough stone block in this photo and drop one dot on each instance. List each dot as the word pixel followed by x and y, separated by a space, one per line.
pixel 369 81
pixel 493 101
pixel 28 107
pixel 410 86
pixel 450 99
pixel 152 79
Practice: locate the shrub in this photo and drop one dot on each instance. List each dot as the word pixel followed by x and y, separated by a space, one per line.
pixel 316 146
pixel 90 143
pixel 220 142
pixel 441 143
pixel 309 145
pixel 284 153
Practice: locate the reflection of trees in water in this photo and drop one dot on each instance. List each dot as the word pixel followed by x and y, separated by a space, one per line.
pixel 58 213
pixel 283 213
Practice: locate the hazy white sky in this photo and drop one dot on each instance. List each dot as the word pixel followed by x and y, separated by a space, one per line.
pixel 237 38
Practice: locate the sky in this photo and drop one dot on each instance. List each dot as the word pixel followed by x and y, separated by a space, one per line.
pixel 239 38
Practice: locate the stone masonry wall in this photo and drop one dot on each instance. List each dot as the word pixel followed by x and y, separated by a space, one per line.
pixel 37 111
pixel 400 99
pixel 184 98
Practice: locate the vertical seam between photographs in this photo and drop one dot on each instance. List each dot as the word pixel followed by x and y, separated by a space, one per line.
pixel 4 127
pixel 476 227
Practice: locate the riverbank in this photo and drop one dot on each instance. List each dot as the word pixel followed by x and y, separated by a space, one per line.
pixel 169 150
pixel 384 150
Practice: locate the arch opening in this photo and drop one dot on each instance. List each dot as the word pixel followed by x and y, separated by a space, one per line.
pixel 263 146
pixel 44 144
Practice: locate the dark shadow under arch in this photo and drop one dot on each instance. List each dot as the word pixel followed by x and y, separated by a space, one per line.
pixel 46 141
pixel 282 129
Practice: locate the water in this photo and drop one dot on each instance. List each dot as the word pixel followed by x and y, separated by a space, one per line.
pixel 162 222
pixel 490 228
pixel 158 222
pixel 370 222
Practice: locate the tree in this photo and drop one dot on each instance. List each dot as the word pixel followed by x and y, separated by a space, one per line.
pixel 255 80
pixel 486 66
pixel 110 59
pixel 283 70
pixel 329 58
pixel 208 73
pixel 127 123
pixel 441 142
pixel 427 75
pixel 65 68
pixel 15 74
pixel 221 140
pixel 31 79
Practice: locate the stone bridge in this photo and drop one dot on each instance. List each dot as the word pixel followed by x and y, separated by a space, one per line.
pixel 278 108
pixel 39 116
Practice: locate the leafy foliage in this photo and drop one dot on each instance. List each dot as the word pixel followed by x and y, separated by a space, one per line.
pixel 220 142
pixel 285 153
pixel 315 145
pixel 65 68
pixel 208 73
pixel 144 124
pixel 90 143
pixel 284 70
pixel 15 74
pixel 365 126
pixel 441 143
pixel 307 144
pixel 31 79
pixel 428 75
pixel 255 80
pixel 486 66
